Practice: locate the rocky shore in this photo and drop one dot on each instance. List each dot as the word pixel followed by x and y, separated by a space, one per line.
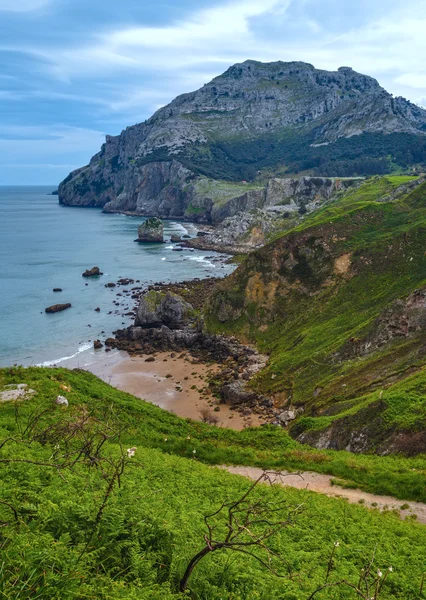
pixel 168 318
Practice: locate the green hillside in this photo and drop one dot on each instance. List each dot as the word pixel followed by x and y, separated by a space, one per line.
pixel 81 519
pixel 338 304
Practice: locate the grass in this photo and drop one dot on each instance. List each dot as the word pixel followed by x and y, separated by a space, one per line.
pixel 266 447
pixel 152 524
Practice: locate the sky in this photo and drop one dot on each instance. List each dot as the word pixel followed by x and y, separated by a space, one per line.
pixel 72 71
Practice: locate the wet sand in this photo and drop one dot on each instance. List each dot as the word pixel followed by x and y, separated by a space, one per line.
pixel 174 383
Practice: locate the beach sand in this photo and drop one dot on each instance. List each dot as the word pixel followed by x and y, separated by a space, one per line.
pixel 168 382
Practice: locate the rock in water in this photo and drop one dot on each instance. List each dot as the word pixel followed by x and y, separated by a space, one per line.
pixel 93 272
pixel 57 307
pixel 97 344
pixel 175 238
pixel 151 231
pixel 57 289
pixel 156 309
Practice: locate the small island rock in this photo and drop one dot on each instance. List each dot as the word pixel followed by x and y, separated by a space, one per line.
pixel 93 272
pixel 151 231
pixel 97 344
pixel 57 308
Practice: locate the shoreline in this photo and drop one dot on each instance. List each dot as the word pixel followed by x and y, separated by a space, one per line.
pixel 174 381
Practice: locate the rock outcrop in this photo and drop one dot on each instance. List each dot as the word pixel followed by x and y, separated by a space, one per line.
pixel 156 309
pixel 93 272
pixel 193 157
pixel 57 308
pixel 14 392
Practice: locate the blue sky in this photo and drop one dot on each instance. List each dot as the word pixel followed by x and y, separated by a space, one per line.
pixel 73 70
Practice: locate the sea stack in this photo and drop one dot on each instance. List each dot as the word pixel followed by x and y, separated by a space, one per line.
pixel 93 272
pixel 152 230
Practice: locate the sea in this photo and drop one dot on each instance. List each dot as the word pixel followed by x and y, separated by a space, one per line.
pixel 44 245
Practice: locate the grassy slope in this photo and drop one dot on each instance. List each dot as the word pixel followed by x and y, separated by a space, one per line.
pixel 268 447
pixel 305 314
pixel 152 524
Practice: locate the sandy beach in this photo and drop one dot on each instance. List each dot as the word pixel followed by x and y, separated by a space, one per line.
pixel 174 381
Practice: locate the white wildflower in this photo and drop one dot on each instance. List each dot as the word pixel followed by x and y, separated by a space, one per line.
pixel 165 439
pixel 131 452
pixel 336 544
pixel 379 573
pixel 194 452
pixel 391 569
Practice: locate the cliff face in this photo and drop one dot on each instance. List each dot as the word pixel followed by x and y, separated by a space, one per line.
pixel 339 303
pixel 267 118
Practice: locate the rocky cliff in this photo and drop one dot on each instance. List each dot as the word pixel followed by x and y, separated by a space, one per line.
pixel 251 124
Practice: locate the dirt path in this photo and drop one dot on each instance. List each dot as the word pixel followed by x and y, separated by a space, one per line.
pixel 316 482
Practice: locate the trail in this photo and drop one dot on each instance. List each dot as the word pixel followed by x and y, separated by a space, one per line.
pixel 316 482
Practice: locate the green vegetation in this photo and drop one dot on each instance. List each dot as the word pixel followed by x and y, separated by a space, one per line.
pixel 222 191
pixel 322 300
pixel 81 519
pixel 266 447
pixel 294 151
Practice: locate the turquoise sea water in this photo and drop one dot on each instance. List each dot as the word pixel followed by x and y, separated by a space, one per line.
pixel 44 245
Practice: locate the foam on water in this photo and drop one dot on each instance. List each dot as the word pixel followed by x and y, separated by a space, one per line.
pixel 203 260
pixel 50 363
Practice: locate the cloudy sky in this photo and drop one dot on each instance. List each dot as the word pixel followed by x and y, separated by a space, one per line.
pixel 73 70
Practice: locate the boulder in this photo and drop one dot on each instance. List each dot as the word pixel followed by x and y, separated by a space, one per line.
pixel 151 231
pixel 159 308
pixel 57 308
pixel 110 284
pixel 93 272
pixel 57 289
pixel 237 393
pixel 288 415
pixel 61 401
pixel 97 344
pixel 175 238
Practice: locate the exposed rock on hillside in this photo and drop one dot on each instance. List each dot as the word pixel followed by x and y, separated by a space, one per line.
pixel 267 118
pixel 285 201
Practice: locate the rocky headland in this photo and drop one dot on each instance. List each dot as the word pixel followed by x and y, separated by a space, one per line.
pixel 231 145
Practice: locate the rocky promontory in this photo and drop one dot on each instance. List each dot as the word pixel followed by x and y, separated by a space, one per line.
pixel 220 149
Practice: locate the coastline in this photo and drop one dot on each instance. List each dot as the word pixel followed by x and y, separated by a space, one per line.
pixel 175 382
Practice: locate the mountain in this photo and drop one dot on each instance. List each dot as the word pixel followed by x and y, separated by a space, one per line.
pixel 339 304
pixel 254 122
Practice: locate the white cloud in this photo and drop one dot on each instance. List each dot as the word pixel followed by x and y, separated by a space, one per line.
pixel 20 6
pixel 219 34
